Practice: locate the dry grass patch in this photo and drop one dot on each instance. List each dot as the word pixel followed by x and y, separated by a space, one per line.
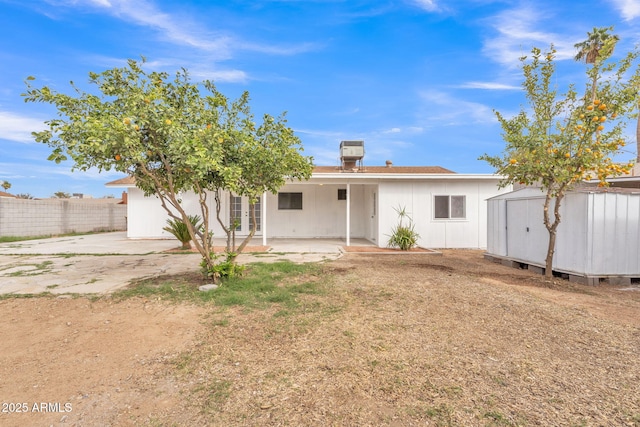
pixel 412 341
pixel 368 340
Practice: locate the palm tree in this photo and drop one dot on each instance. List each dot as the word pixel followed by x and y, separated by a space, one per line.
pixel 597 40
pixel 598 45
pixel 6 185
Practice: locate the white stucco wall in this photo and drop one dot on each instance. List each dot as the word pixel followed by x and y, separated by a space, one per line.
pixel 372 214
pixel 418 199
pixel 147 218
pixel 322 214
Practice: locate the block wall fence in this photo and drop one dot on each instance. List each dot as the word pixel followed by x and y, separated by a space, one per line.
pixel 24 217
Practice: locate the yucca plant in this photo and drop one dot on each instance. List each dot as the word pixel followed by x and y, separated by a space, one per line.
pixel 179 229
pixel 403 236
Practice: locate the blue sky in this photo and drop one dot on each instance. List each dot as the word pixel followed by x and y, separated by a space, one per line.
pixel 417 80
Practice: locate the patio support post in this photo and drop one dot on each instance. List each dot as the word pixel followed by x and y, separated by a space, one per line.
pixel 348 214
pixel 264 219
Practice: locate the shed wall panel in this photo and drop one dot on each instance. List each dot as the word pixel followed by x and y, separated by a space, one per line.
pixel 571 241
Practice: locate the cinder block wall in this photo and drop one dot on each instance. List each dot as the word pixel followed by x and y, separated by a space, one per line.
pixel 23 217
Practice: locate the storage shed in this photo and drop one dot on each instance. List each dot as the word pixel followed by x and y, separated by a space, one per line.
pixel 598 237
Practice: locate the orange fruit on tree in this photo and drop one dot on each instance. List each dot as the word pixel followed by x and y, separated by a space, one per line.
pixel 600 127
pixel 589 107
pixel 118 157
pixel 168 121
pixel 596 102
pixel 513 161
pixel 603 119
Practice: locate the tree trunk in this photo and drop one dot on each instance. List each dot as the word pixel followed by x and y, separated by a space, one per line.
pixel 227 231
pixel 548 268
pixel 252 215
pixel 552 227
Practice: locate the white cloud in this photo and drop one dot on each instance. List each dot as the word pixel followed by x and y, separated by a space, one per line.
pixel 182 29
pixel 393 130
pixel 629 9
pixel 428 5
pixel 232 76
pixel 455 111
pixel 518 30
pixel 14 127
pixel 489 86
pixel 407 130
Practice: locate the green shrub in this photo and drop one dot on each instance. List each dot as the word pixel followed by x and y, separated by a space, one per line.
pixel 179 229
pixel 403 236
pixel 223 269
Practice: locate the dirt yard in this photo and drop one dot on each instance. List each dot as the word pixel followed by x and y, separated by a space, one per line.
pixel 397 340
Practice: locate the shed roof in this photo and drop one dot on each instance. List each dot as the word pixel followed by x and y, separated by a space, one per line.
pixel 536 192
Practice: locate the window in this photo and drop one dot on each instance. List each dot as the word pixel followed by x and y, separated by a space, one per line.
pixel 450 207
pixel 342 194
pixel 290 201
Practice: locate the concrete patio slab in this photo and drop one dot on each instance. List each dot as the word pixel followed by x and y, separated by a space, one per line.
pixel 101 263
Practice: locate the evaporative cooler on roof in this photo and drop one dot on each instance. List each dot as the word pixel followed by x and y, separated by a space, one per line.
pixel 351 154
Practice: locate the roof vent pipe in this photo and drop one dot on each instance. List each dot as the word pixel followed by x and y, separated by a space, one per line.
pixel 389 163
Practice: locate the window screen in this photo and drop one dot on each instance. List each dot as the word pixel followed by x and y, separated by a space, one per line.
pixel 450 207
pixel 342 194
pixel 289 201
pixel 458 207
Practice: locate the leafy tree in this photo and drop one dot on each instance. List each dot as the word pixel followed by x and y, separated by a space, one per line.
pixel 6 185
pixel 264 157
pixel 562 140
pixel 165 133
pixel 61 195
pixel 24 196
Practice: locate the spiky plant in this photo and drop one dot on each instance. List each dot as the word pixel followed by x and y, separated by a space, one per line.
pixel 179 229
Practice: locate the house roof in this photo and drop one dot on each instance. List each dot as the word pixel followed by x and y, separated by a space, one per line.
pixel 384 170
pixel 4 194
pixel 337 174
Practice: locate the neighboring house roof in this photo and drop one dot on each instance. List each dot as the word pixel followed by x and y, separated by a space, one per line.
pixel 127 181
pixel 4 194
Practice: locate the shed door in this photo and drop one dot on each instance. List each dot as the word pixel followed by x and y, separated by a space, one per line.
pixel 527 237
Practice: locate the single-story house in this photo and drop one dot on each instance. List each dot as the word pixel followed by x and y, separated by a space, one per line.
pixel 349 201
pixel 598 236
